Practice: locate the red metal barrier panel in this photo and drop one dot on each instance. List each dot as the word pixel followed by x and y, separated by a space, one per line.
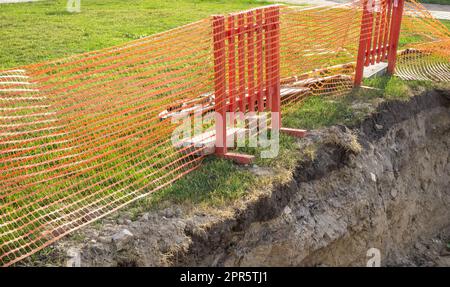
pixel 86 135
pixel 380 31
pixel 246 66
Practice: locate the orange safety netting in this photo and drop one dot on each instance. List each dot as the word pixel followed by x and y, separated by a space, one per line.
pixel 318 50
pixel 84 136
pixel 426 56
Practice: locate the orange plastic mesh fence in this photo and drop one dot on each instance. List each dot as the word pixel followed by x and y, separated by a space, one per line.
pixel 83 136
pixel 318 50
pixel 427 55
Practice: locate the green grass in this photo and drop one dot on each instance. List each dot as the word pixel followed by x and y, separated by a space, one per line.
pixel 442 2
pixel 219 181
pixel 216 182
pixel 411 38
pixel 317 112
pixel 33 32
pixel 391 87
pixel 38 31
pixel 446 23
pixel 103 23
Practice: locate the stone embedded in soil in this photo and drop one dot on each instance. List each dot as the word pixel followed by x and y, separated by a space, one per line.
pixel 145 216
pixel 74 256
pixel 172 212
pixel 122 238
pixel 394 193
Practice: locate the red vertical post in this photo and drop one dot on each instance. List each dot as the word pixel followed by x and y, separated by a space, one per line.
pixel 273 69
pixel 369 31
pixel 395 34
pixel 378 13
pixel 276 101
pixel 231 67
pixel 259 59
pixel 251 61
pixel 383 7
pixel 241 61
pixel 360 62
pixel 219 35
pixel 267 56
pixel 386 30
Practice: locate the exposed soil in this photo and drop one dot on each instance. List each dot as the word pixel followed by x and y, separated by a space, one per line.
pixel 382 184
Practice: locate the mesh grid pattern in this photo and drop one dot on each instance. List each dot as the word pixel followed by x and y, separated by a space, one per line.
pixel 427 57
pixel 83 136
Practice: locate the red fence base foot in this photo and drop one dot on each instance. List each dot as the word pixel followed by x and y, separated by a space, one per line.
pixel 293 132
pixel 238 157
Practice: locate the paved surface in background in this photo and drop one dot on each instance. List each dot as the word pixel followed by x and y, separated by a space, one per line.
pixel 438 11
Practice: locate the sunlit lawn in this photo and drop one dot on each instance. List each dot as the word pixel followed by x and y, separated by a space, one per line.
pixel 37 31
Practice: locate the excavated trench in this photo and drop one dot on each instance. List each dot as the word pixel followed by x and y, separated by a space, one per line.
pixel 383 184
pixel 394 195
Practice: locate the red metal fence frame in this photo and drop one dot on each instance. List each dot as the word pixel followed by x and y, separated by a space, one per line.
pixel 237 88
pixel 379 36
pixel 237 56
pixel 234 41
